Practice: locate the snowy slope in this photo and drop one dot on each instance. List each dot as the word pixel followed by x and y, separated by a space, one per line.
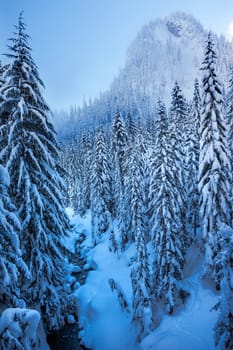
pixel 107 327
pixel 190 329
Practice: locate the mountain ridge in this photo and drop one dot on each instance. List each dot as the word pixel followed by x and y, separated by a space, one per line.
pixel 171 49
pixel 164 51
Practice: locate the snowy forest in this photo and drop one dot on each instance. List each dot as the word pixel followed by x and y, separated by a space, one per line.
pixel 119 224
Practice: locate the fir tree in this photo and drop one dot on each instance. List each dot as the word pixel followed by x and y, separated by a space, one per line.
pixel 119 145
pixel 100 189
pixel 179 109
pixel 79 168
pixel 119 142
pixel 214 164
pixel 131 127
pixel 196 105
pixel 229 121
pixel 70 160
pixel 134 196
pixel 192 164
pixel 1 74
pixel 12 266
pixel 224 326
pixel 86 147
pixel 229 111
pixel 192 188
pixel 180 140
pixel 165 207
pixel 142 314
pixel 32 158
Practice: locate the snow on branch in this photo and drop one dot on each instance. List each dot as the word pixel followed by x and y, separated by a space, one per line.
pixel 120 294
pixel 18 329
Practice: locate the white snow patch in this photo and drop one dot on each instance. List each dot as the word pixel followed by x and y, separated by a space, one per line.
pixel 4 176
pixel 106 326
pixel 23 326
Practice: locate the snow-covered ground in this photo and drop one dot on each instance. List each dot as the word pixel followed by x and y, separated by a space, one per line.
pixel 107 327
pixel 192 328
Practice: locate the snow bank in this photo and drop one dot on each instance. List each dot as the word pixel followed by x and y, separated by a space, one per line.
pixel 105 326
pixel 19 329
pixel 4 176
pixel 191 328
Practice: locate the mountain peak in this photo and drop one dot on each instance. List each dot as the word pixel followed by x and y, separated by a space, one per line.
pixel 168 50
pixel 181 23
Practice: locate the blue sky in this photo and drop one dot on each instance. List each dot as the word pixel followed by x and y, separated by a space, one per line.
pixel 79 45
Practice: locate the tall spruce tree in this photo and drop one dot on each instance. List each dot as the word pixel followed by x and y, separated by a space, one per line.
pixel 134 194
pixel 192 164
pixel 13 270
pixel 70 161
pixel 1 74
pixel 100 189
pixel 180 140
pixel 31 155
pixel 119 146
pixel 229 120
pixel 131 127
pixel 224 325
pixel 142 313
pixel 165 207
pixel 229 111
pixel 179 109
pixel 214 164
pixel 86 149
pixel 196 105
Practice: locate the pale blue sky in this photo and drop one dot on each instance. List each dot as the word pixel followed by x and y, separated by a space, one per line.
pixel 79 45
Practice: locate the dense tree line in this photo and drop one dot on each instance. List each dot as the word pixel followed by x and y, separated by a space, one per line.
pixel 165 181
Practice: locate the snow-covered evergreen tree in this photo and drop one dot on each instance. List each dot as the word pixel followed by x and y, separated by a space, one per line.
pixel 180 139
pixel 86 149
pixel 165 207
pixel 142 313
pixel 179 116
pixel 192 164
pixel 192 188
pixel 119 146
pixel 224 326
pixel 100 188
pixel 214 164
pixel 178 109
pixel 196 105
pixel 19 329
pixel 13 270
pixel 229 110
pixel 229 120
pixel 70 160
pixel 130 209
pixel 31 156
pixel 77 161
pixel 131 127
pixel 1 74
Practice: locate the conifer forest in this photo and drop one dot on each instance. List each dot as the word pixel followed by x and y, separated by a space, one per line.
pixel 116 217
